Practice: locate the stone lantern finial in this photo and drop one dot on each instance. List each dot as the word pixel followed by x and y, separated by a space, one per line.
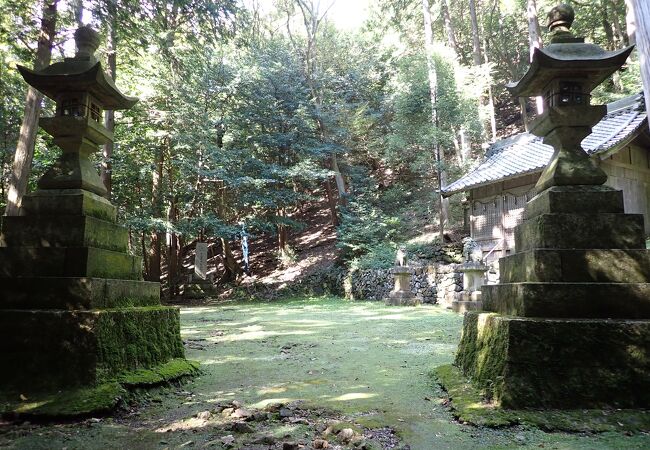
pixel 561 17
pixel 87 41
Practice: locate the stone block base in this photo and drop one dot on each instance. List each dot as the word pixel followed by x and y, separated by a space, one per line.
pixel 402 298
pixel 199 290
pixel 557 363
pixel 45 350
pixel 585 300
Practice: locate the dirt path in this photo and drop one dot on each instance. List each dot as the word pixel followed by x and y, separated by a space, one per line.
pixel 362 364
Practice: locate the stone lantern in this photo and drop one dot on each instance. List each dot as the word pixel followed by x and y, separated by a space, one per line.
pixel 568 326
pixel 81 90
pixel 75 315
pixel 564 73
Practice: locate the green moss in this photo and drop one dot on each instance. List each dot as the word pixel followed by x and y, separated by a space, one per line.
pixel 482 351
pixel 170 370
pixel 134 338
pixel 469 404
pixel 68 403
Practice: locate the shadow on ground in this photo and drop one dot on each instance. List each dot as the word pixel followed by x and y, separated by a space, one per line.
pixel 364 363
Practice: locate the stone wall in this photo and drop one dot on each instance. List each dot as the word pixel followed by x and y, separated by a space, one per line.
pixel 436 283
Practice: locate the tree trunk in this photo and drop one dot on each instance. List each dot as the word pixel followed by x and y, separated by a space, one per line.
pixel 231 268
pixel 476 41
pixel 607 26
pixel 172 251
pixel 449 27
pixel 618 29
pixel 109 115
pixel 331 202
pixel 340 183
pixel 433 93
pixel 534 41
pixel 156 201
pixel 642 14
pixel 630 22
pixel 25 148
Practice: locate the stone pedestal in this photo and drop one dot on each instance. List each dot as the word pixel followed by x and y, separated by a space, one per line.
pixel 401 295
pixel 569 324
pixel 199 284
pixel 74 310
pixel 473 280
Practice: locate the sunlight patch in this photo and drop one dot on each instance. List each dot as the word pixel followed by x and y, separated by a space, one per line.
pixel 353 396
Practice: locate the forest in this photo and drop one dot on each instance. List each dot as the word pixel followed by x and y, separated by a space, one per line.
pixel 255 115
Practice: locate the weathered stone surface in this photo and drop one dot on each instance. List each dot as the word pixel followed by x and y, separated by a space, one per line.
pixel 582 265
pixel 76 293
pixel 575 199
pixel 68 202
pixel 557 363
pixel 584 231
pixel 578 300
pixel 402 298
pixel 68 348
pixel 68 262
pixel 62 231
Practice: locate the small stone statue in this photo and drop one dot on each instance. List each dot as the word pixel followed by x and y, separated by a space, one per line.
pixel 400 257
pixel 472 251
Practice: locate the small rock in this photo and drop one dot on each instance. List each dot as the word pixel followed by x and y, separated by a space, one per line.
pixel 227 412
pixel 284 412
pixel 241 413
pixel 236 404
pixel 520 438
pixel 274 407
pixel 242 427
pixel 289 446
pixel 321 443
pixel 266 439
pixel 228 440
pixel 346 434
pixel 205 415
pixel 260 416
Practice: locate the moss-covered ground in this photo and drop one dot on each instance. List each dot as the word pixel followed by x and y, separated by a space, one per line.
pixel 366 363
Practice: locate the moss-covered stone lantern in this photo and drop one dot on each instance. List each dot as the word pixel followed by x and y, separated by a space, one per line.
pixel 77 322
pixel 568 325
pixel 81 90
pixel 565 73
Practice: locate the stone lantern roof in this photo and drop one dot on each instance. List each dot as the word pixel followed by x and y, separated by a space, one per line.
pixel 81 73
pixel 567 57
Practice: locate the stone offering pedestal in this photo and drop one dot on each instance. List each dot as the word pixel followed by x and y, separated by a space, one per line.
pixel 473 280
pixel 401 295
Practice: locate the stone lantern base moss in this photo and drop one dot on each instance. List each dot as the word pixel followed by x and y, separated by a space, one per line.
pixel 557 363
pixel 569 324
pixel 75 316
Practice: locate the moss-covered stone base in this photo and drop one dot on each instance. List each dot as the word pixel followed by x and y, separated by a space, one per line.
pixel 63 349
pixel 98 399
pixel 557 363
pixel 469 404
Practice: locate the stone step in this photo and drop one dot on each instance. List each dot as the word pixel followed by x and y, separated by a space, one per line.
pixel 70 202
pixel 68 262
pixel 62 231
pixel 575 199
pixel 583 231
pixel 70 348
pixel 582 265
pixel 76 293
pixel 557 363
pixel 572 300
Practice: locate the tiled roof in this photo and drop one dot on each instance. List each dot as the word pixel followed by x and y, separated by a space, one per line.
pixel 524 153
